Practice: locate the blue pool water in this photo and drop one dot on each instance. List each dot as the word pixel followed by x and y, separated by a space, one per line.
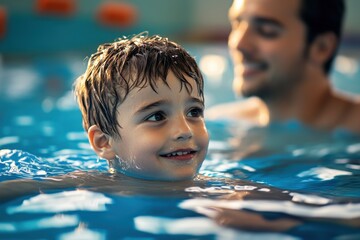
pixel 283 170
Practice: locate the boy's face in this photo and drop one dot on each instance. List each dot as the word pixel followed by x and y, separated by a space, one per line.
pixel 163 134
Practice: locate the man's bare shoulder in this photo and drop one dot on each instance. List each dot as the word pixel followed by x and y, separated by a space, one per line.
pixel 346 110
pixel 351 119
pixel 250 109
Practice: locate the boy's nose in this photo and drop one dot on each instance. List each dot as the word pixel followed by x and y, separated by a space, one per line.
pixel 182 130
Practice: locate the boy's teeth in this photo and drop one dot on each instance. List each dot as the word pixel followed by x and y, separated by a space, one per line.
pixel 177 154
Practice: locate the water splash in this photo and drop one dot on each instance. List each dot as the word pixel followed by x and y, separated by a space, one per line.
pixel 16 164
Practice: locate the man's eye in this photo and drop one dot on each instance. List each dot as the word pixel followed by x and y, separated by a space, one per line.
pixel 196 113
pixel 269 31
pixel 156 117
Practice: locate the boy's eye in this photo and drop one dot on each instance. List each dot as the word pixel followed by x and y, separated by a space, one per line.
pixel 196 113
pixel 156 117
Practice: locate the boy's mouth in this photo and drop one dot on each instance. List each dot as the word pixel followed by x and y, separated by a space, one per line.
pixel 180 155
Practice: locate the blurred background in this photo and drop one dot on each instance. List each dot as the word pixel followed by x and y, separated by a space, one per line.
pixel 45 42
pixel 44 46
pixel 51 26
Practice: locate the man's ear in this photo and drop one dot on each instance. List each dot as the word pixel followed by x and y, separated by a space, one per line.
pixel 323 48
pixel 100 142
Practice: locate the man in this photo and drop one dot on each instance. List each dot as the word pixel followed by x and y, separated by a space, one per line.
pixel 282 53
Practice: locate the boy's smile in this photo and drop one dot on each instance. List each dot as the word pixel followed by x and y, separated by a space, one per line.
pixel 181 155
pixel 162 134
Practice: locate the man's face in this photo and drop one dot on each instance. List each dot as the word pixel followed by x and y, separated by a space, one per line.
pixel 267 44
pixel 163 134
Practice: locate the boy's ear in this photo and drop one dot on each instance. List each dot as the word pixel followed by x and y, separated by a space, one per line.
pixel 323 47
pixel 100 142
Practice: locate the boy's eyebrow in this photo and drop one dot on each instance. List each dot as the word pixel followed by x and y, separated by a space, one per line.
pixel 197 100
pixel 149 106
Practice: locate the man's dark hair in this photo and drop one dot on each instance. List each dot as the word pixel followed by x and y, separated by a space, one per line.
pixel 321 16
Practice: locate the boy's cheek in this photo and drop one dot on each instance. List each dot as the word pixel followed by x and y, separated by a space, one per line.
pixel 205 137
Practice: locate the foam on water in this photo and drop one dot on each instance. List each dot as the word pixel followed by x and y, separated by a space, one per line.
pixel 78 200
pixel 57 221
pixel 343 211
pixel 204 226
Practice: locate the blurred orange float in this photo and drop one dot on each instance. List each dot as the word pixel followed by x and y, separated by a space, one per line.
pixel 116 14
pixel 57 7
pixel 3 21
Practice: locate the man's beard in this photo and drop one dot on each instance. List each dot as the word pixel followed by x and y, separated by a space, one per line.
pixel 275 86
pixel 263 92
pixel 273 89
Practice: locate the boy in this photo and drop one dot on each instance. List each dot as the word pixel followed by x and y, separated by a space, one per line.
pixel 142 105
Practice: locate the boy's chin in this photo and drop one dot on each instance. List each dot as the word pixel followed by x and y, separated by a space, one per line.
pixel 165 178
pixel 158 177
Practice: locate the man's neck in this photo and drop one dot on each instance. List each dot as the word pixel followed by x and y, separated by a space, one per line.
pixel 303 102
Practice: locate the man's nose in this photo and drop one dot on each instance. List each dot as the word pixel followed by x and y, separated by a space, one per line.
pixel 240 38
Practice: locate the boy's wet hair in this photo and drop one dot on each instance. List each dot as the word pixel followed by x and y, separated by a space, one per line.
pixel 119 67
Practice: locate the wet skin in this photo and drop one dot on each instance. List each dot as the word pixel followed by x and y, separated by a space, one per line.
pixel 163 133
